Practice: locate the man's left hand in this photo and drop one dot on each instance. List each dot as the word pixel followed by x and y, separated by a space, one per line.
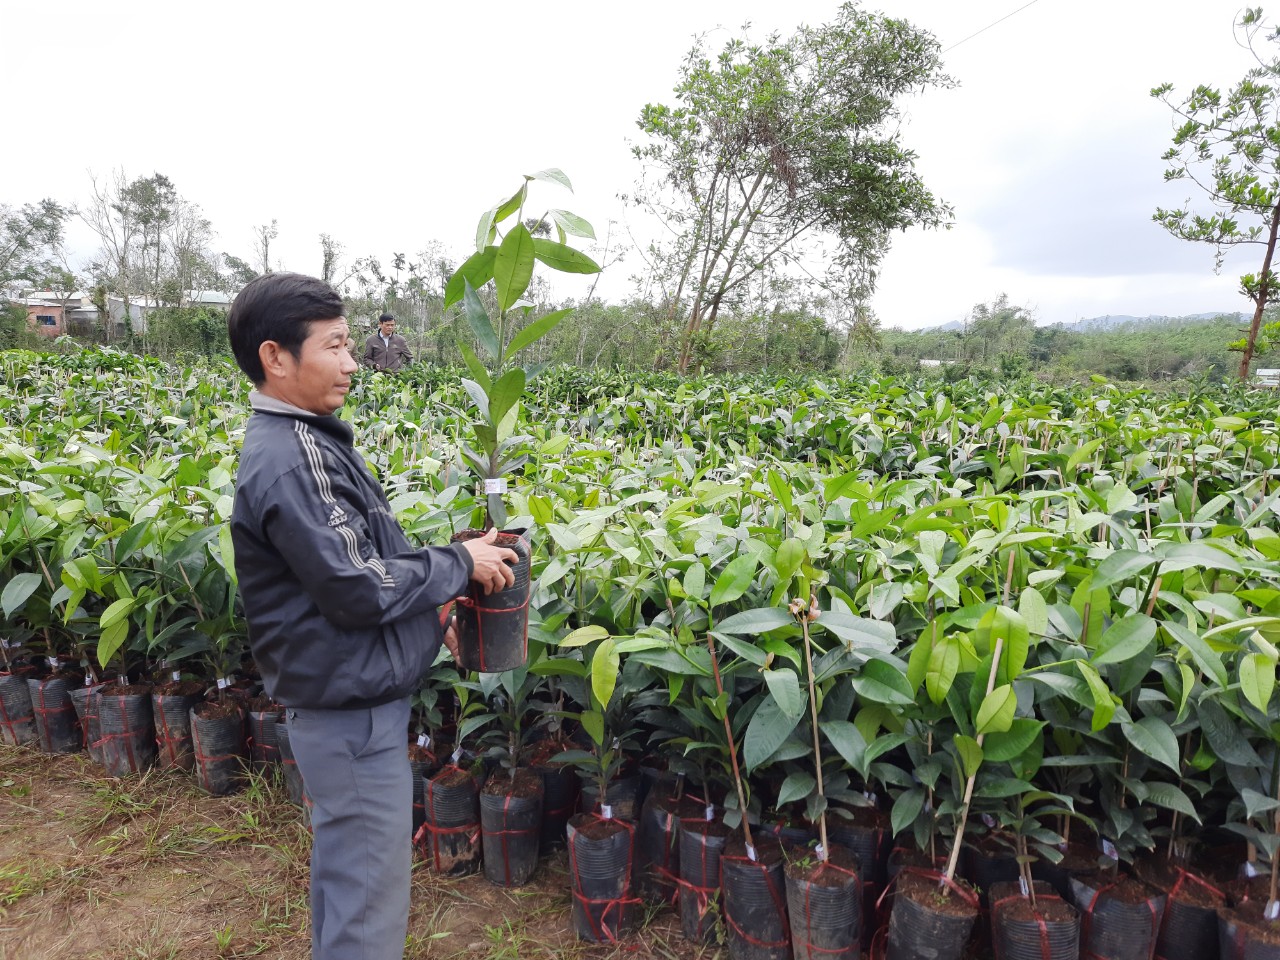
pixel 451 638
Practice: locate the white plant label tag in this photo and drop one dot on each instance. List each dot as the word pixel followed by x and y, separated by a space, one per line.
pixel 1251 869
pixel 711 811
pixel 1109 849
pixel 88 679
pixel 751 853
pixel 457 755
pixel 820 851
pixel 52 661
pixel 176 675
pixel 495 485
pixel 223 683
pixel 1022 885
pixel 989 820
pixel 606 811
pixel 1273 910
pixel 870 796
pixel 424 741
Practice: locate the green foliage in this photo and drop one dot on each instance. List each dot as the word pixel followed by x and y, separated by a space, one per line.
pixel 771 146
pixel 1228 146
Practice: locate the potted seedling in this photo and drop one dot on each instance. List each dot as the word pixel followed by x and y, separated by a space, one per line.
pixel 493 629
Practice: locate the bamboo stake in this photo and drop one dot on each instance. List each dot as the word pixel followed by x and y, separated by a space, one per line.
pixel 733 753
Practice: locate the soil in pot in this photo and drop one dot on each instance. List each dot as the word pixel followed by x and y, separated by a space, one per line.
pixel 701 842
pixel 1189 928
pixel 128 743
pixel 493 629
pixel 55 715
pixel 824 906
pixel 217 740
pixel 17 716
pixel 930 917
pixel 622 795
pixel 511 826
pixel 601 852
pixel 1119 919
pixel 1047 930
pixel 1244 933
pixel 755 900
pixel 171 705
pixel 450 834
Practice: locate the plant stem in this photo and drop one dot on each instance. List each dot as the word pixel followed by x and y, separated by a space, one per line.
pixel 968 787
pixel 733 749
pixel 813 719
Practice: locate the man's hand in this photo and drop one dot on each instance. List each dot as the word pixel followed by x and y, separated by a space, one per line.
pixel 490 563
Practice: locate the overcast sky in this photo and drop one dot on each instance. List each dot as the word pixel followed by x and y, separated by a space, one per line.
pixel 391 124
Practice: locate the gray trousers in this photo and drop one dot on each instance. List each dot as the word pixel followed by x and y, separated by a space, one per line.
pixel 355 764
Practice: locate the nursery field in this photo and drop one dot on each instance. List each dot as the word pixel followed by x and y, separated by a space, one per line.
pixel 930 636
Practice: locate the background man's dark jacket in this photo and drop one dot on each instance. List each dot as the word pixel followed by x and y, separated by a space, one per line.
pixel 341 608
pixel 390 357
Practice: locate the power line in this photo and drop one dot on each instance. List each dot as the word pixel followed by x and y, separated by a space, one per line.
pixel 990 25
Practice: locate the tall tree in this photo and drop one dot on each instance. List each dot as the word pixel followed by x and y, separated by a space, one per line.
pixel 1229 147
pixel 785 155
pixel 30 241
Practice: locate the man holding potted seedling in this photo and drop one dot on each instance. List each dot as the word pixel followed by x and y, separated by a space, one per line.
pixel 342 610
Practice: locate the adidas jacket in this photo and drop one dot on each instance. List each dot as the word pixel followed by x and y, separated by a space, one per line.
pixel 341 608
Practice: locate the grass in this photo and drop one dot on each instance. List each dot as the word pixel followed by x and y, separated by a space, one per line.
pixel 151 868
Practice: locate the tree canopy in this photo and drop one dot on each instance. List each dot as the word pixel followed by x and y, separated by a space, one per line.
pixel 786 157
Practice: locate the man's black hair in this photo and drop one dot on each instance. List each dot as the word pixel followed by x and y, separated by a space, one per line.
pixel 385 317
pixel 279 307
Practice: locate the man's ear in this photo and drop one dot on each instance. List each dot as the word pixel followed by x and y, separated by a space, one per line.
pixel 273 356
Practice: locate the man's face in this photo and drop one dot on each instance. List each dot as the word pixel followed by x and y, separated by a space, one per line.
pixel 319 379
pixel 388 327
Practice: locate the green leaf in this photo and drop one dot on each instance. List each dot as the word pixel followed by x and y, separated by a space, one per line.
pixel 797 786
pixel 970 753
pixel 111 639
pixel 847 740
pixel 1200 651
pixel 565 259
pixel 17 590
pixel 996 713
pixel 1104 705
pixel 118 611
pixel 1181 556
pixel 479 396
pixel 734 581
pixel 512 203
pixel 1120 498
pixel 944 664
pixel 1001 747
pixel 551 175
pixel 593 722
pixel 513 266
pixel 768 728
pixel 861 635
pixel 505 394
pixel 906 808
pixel 759 620
pixel 881 682
pixel 478 318
pixel 477 368
pixel 1156 739
pixel 787 560
pixel 1121 566
pixel 534 332
pixel 572 224
pixel 695 581
pixel 1125 638
pixel 1171 798
pixel 476 270
pixel 747 651
pixel 1224 735
pixel 584 635
pixel 1034 610
pixel 604 672
pixel 1257 679
pixel 785 687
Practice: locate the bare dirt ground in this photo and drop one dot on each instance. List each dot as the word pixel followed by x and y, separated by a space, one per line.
pixel 151 868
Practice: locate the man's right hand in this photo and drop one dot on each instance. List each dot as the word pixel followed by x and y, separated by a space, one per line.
pixel 490 563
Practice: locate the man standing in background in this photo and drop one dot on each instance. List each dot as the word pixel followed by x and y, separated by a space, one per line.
pixel 386 349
